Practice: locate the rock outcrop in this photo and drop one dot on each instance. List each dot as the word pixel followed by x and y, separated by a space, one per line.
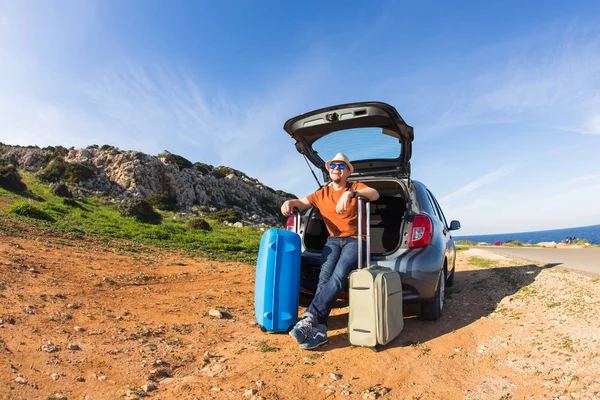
pixel 125 174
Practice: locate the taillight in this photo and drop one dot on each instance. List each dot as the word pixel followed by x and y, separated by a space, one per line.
pixel 290 224
pixel 420 233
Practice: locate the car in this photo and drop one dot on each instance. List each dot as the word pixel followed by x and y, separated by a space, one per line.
pixel 409 232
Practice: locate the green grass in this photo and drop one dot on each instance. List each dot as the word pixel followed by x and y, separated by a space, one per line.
pixel 466 243
pixel 481 262
pixel 29 210
pixel 98 217
pixel 512 243
pixel 264 347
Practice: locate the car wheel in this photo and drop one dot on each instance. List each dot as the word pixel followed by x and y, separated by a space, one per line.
pixel 432 310
pixel 450 280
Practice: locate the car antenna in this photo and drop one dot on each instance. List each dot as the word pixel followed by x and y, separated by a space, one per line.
pixel 313 172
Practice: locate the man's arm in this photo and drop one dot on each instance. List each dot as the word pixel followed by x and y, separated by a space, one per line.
pixel 288 206
pixel 369 193
pixel 344 201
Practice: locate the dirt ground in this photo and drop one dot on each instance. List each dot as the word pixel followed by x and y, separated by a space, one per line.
pixel 83 319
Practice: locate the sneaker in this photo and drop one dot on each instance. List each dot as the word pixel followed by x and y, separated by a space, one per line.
pixel 317 337
pixel 302 329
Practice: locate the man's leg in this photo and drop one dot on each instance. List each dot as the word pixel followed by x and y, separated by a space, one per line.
pixel 321 305
pixel 329 257
pixel 337 282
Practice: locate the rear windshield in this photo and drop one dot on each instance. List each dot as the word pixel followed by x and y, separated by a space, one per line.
pixel 358 144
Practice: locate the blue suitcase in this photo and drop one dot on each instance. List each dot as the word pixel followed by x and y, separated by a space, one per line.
pixel 277 283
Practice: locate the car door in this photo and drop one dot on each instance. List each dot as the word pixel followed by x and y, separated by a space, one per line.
pixel 450 250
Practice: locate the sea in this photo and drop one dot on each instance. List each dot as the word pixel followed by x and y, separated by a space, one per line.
pixel 591 233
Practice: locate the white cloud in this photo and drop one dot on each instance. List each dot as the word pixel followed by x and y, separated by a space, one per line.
pixel 143 105
pixel 561 206
pixel 593 124
pixel 550 79
pixel 484 180
pixel 158 107
pixel 583 179
pixel 169 106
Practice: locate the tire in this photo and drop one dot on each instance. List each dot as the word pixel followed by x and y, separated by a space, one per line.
pixel 450 280
pixel 432 310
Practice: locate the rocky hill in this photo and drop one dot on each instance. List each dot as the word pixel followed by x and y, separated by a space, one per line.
pixel 194 188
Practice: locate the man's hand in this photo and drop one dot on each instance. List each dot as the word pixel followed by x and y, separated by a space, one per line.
pixel 286 208
pixel 342 204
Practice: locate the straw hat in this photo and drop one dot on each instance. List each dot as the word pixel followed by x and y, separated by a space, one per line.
pixel 341 157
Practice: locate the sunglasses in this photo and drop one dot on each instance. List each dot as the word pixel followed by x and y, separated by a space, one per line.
pixel 339 165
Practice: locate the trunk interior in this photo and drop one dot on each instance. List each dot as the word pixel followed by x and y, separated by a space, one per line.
pixel 387 215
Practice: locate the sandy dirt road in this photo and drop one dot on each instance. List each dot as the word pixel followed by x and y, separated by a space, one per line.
pixel 578 259
pixel 83 319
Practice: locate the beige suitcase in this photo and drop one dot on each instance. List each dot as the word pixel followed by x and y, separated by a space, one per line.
pixel 375 316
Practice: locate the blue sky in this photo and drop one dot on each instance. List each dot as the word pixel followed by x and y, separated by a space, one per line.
pixel 504 96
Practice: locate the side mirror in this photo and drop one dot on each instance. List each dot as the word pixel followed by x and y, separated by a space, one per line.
pixel 454 225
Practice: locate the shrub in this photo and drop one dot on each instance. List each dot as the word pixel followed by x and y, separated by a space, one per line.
pixel 175 159
pixel 57 151
pixel 59 170
pixel 76 172
pixel 515 243
pixel 205 208
pixel 199 223
pixel 30 211
pixel 286 194
pixel 10 159
pixel 228 214
pixel 110 149
pixel 55 171
pixel 60 189
pixel 162 201
pixel 222 171
pixel 141 210
pixel 10 179
pixel 218 174
pixel 581 241
pixel 60 151
pixel 203 168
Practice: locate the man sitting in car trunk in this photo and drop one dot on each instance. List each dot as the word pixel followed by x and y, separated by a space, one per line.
pixel 339 208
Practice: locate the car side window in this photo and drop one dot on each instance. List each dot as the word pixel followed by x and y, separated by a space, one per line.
pixel 433 206
pixel 439 211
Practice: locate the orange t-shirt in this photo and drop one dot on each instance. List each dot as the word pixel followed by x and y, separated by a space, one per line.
pixel 326 199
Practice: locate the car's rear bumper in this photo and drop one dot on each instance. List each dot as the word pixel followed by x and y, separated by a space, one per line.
pixel 419 270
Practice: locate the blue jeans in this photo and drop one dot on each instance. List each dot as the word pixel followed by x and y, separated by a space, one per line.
pixel 338 259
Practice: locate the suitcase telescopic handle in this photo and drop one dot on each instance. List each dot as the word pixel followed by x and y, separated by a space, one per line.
pixel 296 214
pixel 362 199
